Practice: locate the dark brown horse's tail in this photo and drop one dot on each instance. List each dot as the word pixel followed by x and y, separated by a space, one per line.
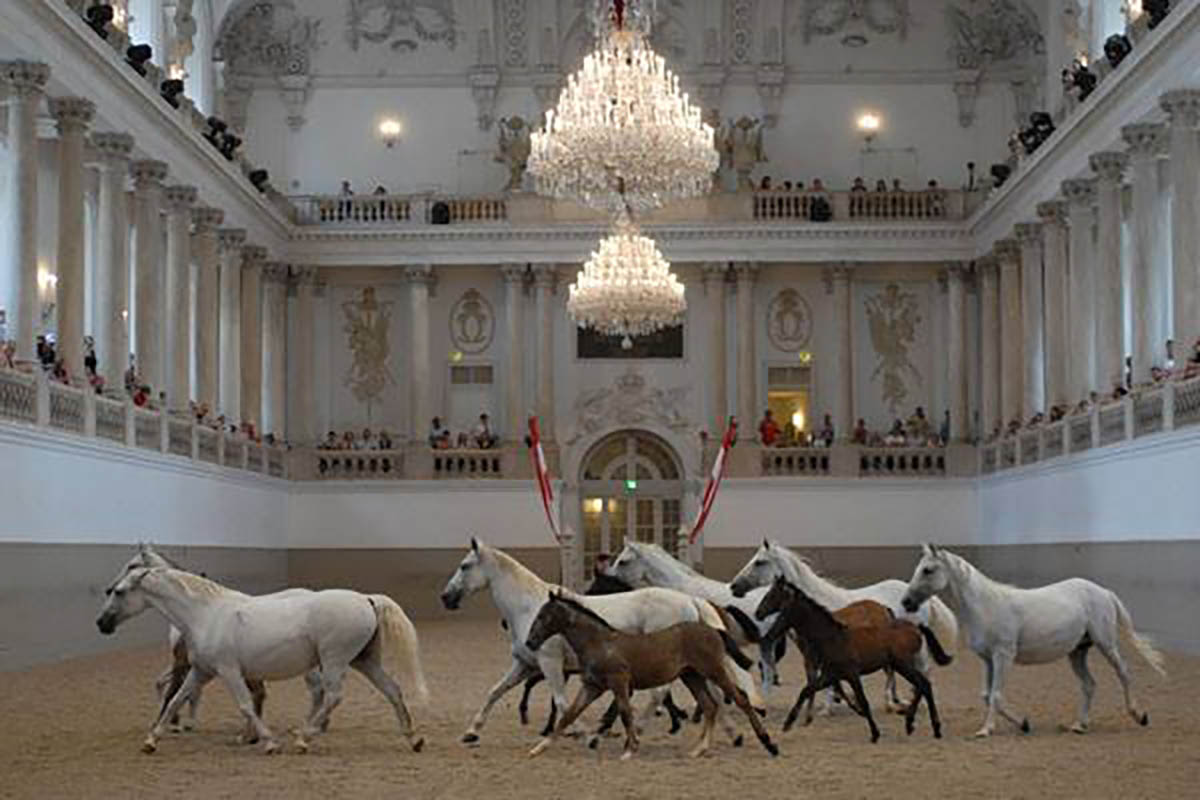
pixel 940 656
pixel 732 650
pixel 749 629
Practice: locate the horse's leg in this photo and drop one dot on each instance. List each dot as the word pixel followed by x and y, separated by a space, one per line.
pixel 621 698
pixel 810 689
pixel 552 664
pixel 1113 655
pixel 1001 663
pixel 523 706
pixel 167 685
pixel 259 692
pixel 517 672
pixel 766 663
pixel 606 723
pixel 236 684
pixel 193 681
pixel 989 679
pixel 810 676
pixel 587 694
pixel 1087 686
pixel 704 700
pixel 861 697
pixel 387 686
pixel 921 688
pixel 678 715
pixel 551 718
pixel 316 695
pixel 723 682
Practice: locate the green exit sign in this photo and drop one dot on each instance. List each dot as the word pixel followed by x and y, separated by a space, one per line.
pixel 630 485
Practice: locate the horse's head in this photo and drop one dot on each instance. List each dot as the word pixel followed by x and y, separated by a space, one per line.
pixel 468 578
pixel 931 577
pixel 145 558
pixel 759 571
pixel 553 618
pixel 632 566
pixel 777 598
pixel 123 600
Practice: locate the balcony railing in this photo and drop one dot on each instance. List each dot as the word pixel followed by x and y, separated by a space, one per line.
pixel 359 465
pixel 33 399
pixel 795 461
pixel 468 464
pixel 901 461
pixel 1157 409
pixel 388 210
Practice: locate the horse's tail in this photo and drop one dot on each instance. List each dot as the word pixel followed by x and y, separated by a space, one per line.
pixel 940 656
pixel 741 677
pixel 747 626
pixel 1140 643
pixel 732 650
pixel 399 639
pixel 944 623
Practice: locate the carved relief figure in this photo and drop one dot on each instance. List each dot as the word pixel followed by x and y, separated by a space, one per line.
pixel 268 39
pixel 628 403
pixel 789 322
pixel 743 142
pixel 986 31
pixel 472 323
pixel 853 18
pixel 367 323
pixel 379 21
pixel 514 146
pixel 893 316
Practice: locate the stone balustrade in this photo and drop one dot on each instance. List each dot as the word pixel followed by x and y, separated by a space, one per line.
pixel 794 461
pixel 901 462
pixel 33 399
pixel 382 210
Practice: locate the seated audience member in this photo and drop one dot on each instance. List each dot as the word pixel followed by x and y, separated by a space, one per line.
pixel 790 435
pixel 379 190
pixel 932 185
pixel 368 441
pixel 1118 392
pixel 141 396
pixel 483 435
pixel 817 187
pixel 861 434
pixel 895 437
pixel 9 354
pixel 1036 420
pixel 348 442
pixel 918 424
pixel 881 185
pixel 1157 374
pixel 1057 412
pixel 385 440
pixel 435 433
pixel 464 441
pixel 330 443
pixel 787 186
pixel 768 429
pixel 826 433
pixel 765 184
pixel 60 371
pixel 859 185
pixel 896 185
pixel 1193 362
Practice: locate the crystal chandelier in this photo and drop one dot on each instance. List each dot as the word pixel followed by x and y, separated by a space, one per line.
pixel 622 137
pixel 626 287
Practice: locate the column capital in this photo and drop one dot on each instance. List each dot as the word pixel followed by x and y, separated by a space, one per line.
pixel 26 79
pixel 1109 165
pixel 986 264
pixel 275 271
pixel 957 271
pixel 1145 138
pixel 1182 106
pixel 304 275
pixel 148 174
pixel 1008 252
pixel 545 276
pixel 839 273
pixel 715 271
pixel 73 114
pixel 419 274
pixel 1079 191
pixel 1052 212
pixel 231 238
pixel 1028 233
pixel 113 148
pixel 180 198
pixel 207 219
pixel 514 273
pixel 253 256
pixel 746 271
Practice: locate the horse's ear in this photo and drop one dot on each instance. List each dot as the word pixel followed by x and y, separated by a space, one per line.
pixel 933 550
pixel 474 544
pixel 926 549
pixel 766 544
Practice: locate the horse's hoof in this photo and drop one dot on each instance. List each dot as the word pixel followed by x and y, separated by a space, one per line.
pixel 771 748
pixel 628 754
pixel 149 747
pixel 739 740
pixel 470 738
pixel 697 752
pixel 271 749
pixel 418 744
pixel 788 723
pixel 538 749
pixel 189 725
pixel 175 728
pixel 325 726
pixel 937 733
pixel 908 727
pixel 1079 728
pixel 1145 720
pixel 301 746
pixel 593 742
pixel 982 733
pixel 874 738
pixel 1025 726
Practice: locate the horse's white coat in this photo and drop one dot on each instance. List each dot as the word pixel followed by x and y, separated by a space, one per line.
pixel 1007 625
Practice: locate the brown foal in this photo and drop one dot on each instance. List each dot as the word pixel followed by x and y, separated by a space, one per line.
pixel 844 653
pixel 611 660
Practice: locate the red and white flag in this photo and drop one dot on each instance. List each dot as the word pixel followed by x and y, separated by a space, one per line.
pixel 543 478
pixel 714 479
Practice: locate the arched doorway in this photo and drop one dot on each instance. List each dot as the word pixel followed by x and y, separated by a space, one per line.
pixel 631 485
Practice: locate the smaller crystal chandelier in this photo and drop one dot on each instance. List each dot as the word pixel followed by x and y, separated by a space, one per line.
pixel 626 287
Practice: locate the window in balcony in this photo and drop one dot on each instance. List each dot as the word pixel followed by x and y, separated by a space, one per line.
pixel 470 394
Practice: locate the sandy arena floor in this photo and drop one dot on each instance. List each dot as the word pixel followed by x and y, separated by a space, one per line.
pixel 74 730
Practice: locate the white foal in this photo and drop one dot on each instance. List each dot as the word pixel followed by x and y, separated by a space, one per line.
pixel 1007 625
pixel 239 639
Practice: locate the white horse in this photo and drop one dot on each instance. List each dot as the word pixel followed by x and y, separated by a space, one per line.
pixel 519 595
pixel 239 638
pixel 644 564
pixel 1007 625
pixel 773 560
pixel 172 678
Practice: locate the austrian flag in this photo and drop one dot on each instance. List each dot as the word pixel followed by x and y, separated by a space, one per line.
pixel 714 479
pixel 542 477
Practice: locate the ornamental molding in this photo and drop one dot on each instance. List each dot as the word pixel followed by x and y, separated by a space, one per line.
pixel 402 25
pixel 472 323
pixel 988 31
pixel 629 402
pixel 789 321
pixel 853 18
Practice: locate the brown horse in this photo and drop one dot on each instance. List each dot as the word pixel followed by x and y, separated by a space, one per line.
pixel 621 662
pixel 844 653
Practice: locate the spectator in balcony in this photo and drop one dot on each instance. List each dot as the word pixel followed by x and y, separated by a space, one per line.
pixel 764 185
pixel 1157 374
pixel 1193 362
pixel 90 363
pixel 918 424
pixel 826 434
pixel 768 429
pixel 368 441
pixel 895 437
pixel 896 185
pixel 60 371
pixel 861 434
pixel 380 190
pixel 9 352
pixel 131 376
pixel 330 443
pixel 346 190
pixel 944 433
pixel 141 396
pixel 483 435
pixel 787 186
pixel 881 185
pixel 439 436
pixel 348 442
pixel 1118 392
pixel 45 353
pixel 385 441
pixel 817 187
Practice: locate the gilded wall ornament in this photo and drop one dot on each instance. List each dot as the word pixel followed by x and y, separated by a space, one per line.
pixel 789 322
pixel 367 323
pixel 472 323
pixel 390 21
pixel 893 316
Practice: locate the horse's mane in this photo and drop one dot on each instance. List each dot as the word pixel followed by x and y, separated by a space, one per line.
pixel 802 597
pixel 662 556
pixel 170 562
pixel 966 569
pixel 519 571
pixel 796 560
pixel 582 609
pixel 191 583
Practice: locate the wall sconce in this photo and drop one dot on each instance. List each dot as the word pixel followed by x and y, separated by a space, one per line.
pixel 868 125
pixel 389 131
pixel 1132 10
pixel 176 72
pixel 47 281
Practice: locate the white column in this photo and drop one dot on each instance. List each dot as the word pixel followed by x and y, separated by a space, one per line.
pixel 26 81
pixel 253 257
pixel 1029 236
pixel 1008 257
pixel 148 271
pixel 208 305
pixel 178 295
pixel 956 351
pixel 275 287
pixel 747 366
pixel 989 335
pixel 72 115
pixel 1054 257
pixel 420 279
pixel 1148 274
pixel 1183 110
pixel 544 277
pixel 1081 322
pixel 302 420
pixel 514 381
pixel 843 395
pixel 111 315
pixel 715 276
pixel 1109 166
pixel 230 358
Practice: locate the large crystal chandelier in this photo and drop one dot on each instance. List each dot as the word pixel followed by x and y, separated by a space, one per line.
pixel 626 287
pixel 623 137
